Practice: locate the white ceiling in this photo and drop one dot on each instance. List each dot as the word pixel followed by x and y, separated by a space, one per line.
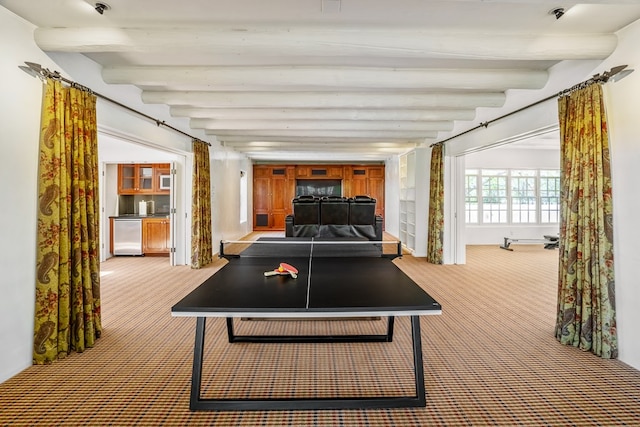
pixel 327 79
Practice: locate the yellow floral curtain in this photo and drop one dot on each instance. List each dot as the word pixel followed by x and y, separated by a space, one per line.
pixel 67 312
pixel 201 237
pixel 586 316
pixel 435 233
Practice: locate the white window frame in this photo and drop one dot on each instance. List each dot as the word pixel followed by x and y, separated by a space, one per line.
pixel 543 214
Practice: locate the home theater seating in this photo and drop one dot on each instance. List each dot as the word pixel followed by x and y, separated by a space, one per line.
pixel 334 217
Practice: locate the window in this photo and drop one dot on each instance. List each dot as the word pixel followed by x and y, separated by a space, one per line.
pixel 471 196
pixel 243 196
pixel 549 196
pixel 512 196
pixel 523 196
pixel 494 195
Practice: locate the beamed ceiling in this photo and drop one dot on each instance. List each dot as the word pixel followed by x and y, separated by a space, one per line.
pixel 327 79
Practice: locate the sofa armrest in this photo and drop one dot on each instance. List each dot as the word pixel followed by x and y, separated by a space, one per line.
pixel 378 226
pixel 288 226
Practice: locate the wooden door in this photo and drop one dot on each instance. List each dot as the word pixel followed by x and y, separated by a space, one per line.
pixel 273 190
pixel 282 188
pixel 359 182
pixel 376 187
pixel 280 200
pixel 261 202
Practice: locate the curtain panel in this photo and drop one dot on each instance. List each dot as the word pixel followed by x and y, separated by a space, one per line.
pixel 586 293
pixel 67 298
pixel 201 237
pixel 435 233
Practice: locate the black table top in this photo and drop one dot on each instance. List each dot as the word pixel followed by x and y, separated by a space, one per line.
pixel 337 286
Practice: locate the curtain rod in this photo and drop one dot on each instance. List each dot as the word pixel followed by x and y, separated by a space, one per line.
pixel 596 78
pixel 36 70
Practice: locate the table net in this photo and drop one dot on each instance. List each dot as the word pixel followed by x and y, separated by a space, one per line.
pixel 309 247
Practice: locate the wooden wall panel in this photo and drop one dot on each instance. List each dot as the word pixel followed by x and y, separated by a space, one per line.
pixel 274 188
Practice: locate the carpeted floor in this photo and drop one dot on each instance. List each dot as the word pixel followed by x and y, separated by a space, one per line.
pixel 490 359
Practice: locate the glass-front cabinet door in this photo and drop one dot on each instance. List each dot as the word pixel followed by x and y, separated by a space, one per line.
pixel 127 175
pixel 145 178
pixel 135 178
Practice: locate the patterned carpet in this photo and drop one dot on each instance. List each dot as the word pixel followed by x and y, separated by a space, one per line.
pixel 490 359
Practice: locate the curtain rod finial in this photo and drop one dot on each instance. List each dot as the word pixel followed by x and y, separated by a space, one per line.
pixel 620 72
pixel 28 71
pixel 34 66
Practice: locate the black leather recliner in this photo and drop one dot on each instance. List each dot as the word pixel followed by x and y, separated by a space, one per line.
pixel 334 210
pixel 306 211
pixel 362 210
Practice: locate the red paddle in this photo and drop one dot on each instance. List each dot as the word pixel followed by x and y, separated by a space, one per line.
pixel 283 269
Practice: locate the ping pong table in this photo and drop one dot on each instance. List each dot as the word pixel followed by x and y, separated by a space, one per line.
pixel 364 283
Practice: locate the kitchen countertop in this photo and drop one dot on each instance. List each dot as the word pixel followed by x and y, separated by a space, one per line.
pixel 136 216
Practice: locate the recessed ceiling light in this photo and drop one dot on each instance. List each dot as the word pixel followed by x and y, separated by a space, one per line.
pixel 557 12
pixel 101 7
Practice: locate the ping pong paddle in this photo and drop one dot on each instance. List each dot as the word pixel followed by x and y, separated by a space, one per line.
pixel 283 269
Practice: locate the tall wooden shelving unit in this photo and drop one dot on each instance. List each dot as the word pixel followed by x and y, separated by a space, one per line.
pixel 408 200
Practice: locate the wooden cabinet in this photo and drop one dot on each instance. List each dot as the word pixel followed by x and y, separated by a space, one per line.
pixel 141 178
pixel 273 190
pixel 135 178
pixel 156 236
pixel 319 171
pixel 159 171
pixel 366 180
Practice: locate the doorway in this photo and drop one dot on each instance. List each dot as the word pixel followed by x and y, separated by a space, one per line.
pixel 116 149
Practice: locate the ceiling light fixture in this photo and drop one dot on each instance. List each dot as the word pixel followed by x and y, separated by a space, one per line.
pixel 557 12
pixel 101 7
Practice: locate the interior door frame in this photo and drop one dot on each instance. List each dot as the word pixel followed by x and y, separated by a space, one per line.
pixel 180 197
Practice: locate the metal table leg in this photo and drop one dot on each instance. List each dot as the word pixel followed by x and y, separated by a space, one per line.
pixel 198 403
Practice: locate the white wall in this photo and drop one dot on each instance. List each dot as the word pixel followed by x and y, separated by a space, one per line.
pixel 20 119
pixel 225 196
pixel 508 156
pixel 561 76
pixel 20 114
pixel 623 104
